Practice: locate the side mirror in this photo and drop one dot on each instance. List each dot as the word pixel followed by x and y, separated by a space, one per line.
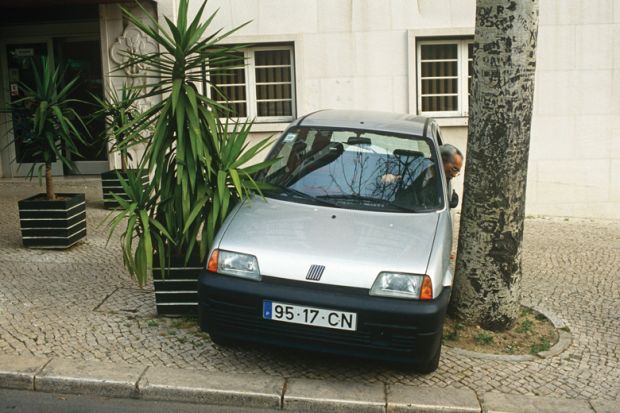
pixel 454 199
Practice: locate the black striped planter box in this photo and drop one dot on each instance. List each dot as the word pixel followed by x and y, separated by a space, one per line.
pixel 60 223
pixel 110 184
pixel 176 291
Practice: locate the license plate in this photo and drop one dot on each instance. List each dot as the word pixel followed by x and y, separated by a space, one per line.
pixel 299 314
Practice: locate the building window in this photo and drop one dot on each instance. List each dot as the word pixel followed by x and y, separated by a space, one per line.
pixel 262 89
pixel 444 80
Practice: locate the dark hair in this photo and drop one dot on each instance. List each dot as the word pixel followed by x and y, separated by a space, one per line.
pixel 448 151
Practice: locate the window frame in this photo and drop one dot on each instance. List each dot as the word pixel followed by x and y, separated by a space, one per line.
pixel 462 78
pixel 250 84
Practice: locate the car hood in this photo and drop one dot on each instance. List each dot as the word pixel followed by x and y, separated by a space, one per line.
pixel 354 246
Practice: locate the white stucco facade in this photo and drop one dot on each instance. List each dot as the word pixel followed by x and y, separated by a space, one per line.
pixel 361 54
pixel 575 147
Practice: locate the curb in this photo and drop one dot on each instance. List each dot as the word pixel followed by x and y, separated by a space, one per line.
pixel 55 375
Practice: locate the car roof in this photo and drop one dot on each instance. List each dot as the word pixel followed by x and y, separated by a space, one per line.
pixel 361 119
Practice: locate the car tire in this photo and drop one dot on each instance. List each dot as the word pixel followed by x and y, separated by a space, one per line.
pixel 431 365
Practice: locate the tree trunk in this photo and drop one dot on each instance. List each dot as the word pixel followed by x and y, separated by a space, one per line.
pixel 488 267
pixel 49 183
pixel 124 161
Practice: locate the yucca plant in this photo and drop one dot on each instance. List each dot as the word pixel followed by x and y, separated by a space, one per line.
pixel 51 131
pixel 230 178
pixel 119 109
pixel 56 126
pixel 195 159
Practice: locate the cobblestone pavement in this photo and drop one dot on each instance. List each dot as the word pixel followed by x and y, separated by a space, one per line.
pixel 80 303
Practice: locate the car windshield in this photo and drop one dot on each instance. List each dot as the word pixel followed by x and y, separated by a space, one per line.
pixel 355 169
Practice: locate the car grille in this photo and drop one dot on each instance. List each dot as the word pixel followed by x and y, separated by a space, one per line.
pixel 247 320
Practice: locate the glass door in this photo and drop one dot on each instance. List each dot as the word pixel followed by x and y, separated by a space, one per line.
pixel 82 57
pixel 19 58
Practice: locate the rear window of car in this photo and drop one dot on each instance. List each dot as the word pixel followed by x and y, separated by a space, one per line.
pixel 356 169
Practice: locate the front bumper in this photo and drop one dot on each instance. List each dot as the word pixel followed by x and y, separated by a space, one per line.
pixel 388 329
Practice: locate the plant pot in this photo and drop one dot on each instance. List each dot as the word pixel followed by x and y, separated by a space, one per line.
pixel 52 224
pixel 110 184
pixel 176 290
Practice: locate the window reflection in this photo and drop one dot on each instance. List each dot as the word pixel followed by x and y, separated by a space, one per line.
pixel 357 169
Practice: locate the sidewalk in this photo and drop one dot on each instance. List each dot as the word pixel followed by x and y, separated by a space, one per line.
pixel 80 305
pixel 266 392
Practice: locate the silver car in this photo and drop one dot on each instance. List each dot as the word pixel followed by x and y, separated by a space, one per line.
pixel 348 251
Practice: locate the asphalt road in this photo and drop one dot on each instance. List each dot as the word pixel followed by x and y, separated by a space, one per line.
pixel 19 401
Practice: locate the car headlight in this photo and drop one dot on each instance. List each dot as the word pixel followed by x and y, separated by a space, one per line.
pixel 235 264
pixel 394 284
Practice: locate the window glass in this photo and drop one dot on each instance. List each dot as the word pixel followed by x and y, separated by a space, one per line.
pixel 273 57
pixel 261 87
pixel 356 169
pixel 439 103
pixel 228 87
pixel 444 69
pixel 470 64
pixel 439 77
pixel 273 83
pixel 274 108
pixel 439 52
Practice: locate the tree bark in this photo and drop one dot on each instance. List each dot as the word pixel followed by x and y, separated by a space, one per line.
pixel 49 183
pixel 488 267
pixel 123 161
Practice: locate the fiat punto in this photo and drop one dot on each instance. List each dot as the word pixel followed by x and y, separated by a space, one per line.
pixel 347 252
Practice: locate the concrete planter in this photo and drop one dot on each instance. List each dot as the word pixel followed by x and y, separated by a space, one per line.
pixel 59 224
pixel 176 289
pixel 110 184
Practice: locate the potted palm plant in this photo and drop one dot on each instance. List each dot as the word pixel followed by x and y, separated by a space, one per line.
pixel 119 109
pixel 195 158
pixel 51 220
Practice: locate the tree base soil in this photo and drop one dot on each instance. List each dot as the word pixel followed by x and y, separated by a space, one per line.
pixel 531 334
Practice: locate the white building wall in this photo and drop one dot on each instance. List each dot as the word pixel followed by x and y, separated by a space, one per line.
pixel 575 148
pixel 355 54
pixel 116 34
pixel 354 51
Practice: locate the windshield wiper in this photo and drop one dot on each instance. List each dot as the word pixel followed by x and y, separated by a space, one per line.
pixel 371 199
pixel 294 192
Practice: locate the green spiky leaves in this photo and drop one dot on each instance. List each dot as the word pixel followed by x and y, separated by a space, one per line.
pixel 120 110
pixel 55 125
pixel 197 162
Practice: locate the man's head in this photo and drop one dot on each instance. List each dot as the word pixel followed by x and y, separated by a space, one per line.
pixel 452 160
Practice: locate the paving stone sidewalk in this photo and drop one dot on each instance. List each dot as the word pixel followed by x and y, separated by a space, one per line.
pixel 80 304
